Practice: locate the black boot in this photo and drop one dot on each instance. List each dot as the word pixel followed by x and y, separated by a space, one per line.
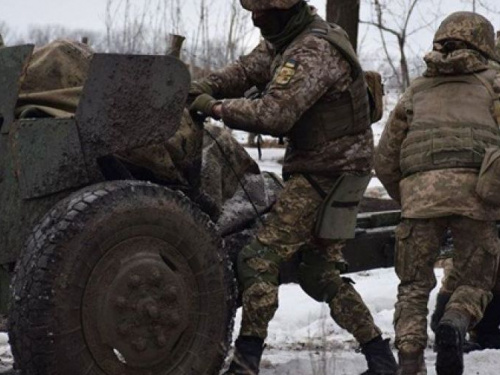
pixel 379 356
pixel 246 357
pixel 471 345
pixel 487 331
pixel 441 301
pixel 450 337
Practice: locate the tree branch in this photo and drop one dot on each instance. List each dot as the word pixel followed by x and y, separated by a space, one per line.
pixel 381 27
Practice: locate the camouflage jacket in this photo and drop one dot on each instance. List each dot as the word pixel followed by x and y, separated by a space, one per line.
pixel 434 193
pixel 308 69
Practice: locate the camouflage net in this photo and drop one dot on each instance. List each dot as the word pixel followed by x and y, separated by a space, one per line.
pixel 54 80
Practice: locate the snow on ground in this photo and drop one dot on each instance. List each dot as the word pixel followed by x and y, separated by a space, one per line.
pixel 304 340
pixel 270 158
pixel 5 354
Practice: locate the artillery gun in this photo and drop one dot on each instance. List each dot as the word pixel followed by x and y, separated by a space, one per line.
pixel 109 275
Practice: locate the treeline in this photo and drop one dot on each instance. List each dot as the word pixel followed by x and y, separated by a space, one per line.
pixel 220 35
pixel 386 41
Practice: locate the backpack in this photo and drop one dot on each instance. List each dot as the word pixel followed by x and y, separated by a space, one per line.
pixel 375 94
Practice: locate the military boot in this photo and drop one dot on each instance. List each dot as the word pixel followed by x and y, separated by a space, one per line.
pixel 441 301
pixel 246 357
pixel 412 364
pixel 471 344
pixel 487 331
pixel 379 356
pixel 450 337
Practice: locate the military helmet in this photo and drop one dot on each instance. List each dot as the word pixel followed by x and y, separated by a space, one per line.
pixel 471 28
pixel 252 5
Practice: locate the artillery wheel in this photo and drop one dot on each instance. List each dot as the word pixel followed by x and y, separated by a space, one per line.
pixel 122 278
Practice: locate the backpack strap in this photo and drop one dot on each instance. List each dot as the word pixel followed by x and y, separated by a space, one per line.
pixel 337 37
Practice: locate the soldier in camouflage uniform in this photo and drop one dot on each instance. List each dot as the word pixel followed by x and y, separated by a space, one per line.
pixel 428 159
pixel 486 334
pixel 314 93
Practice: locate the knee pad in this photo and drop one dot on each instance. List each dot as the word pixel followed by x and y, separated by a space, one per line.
pixel 256 264
pixel 319 279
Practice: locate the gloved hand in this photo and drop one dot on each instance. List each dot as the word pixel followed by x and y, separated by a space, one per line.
pixel 203 104
pixel 196 89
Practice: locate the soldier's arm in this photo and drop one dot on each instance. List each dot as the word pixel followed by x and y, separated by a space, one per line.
pixel 236 78
pixel 388 150
pixel 308 71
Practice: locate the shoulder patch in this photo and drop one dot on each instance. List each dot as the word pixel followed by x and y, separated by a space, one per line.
pixel 286 72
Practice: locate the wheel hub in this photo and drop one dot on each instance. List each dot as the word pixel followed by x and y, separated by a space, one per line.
pixel 136 304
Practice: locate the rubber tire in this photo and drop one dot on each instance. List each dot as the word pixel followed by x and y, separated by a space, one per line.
pixel 58 249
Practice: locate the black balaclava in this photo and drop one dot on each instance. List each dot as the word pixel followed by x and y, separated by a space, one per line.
pixel 273 21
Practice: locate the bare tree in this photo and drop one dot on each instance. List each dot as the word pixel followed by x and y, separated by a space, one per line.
pixel 221 35
pixel 482 5
pixel 141 27
pixel 219 38
pixel 238 31
pixel 40 35
pixel 125 27
pixel 202 39
pixel 393 18
pixel 145 27
pixel 345 13
pixel 4 32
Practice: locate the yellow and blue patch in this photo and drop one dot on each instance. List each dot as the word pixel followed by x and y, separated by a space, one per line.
pixel 286 72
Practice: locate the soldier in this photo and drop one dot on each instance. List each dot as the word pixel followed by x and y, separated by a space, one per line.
pixel 486 334
pixel 314 93
pixel 428 159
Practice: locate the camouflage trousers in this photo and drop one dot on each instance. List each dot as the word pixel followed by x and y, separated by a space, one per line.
pixel 288 230
pixel 470 282
pixel 447 265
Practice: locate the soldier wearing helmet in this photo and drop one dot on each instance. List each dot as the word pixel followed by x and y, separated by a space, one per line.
pixel 314 94
pixel 486 334
pixel 429 158
pixel 472 29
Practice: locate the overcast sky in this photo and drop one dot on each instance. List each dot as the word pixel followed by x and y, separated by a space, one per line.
pixel 19 14
pixel 89 14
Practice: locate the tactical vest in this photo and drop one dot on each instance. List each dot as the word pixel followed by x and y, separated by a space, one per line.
pixel 451 123
pixel 327 120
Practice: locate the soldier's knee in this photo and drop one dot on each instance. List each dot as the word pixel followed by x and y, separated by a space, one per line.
pixel 261 297
pixel 257 264
pixel 320 280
